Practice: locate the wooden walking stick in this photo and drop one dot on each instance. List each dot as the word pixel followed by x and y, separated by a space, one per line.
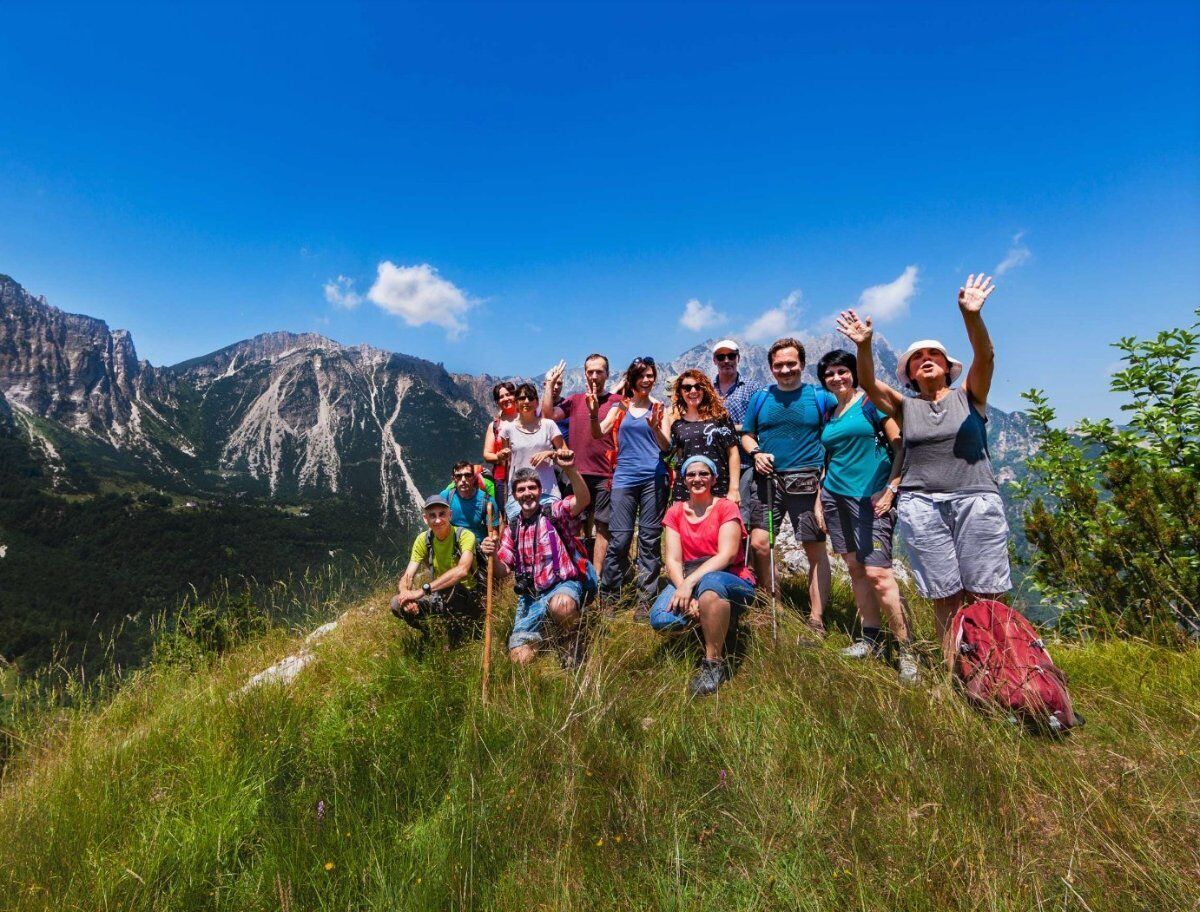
pixel 487 610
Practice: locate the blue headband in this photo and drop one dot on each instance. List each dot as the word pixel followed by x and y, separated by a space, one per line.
pixel 703 460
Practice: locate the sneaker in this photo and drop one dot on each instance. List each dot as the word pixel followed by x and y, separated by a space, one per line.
pixel 709 676
pixel 861 649
pixel 910 672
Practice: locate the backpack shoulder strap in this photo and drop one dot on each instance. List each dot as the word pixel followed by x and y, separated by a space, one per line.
pixel 757 400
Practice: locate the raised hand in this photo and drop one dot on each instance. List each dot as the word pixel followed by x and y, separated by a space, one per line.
pixel 565 458
pixel 555 373
pixel 593 403
pixel 854 329
pixel 977 290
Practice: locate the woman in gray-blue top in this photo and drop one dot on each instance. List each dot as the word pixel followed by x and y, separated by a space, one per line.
pixel 639 482
pixel 949 512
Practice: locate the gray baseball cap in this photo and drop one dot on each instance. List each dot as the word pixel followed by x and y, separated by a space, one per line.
pixel 436 500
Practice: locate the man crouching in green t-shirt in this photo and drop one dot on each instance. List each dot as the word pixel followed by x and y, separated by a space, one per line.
pixel 448 553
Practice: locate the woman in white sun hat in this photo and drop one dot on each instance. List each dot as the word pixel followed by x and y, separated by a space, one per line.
pixel 949 511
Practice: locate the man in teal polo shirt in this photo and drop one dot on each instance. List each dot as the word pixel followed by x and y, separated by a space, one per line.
pixel 782 434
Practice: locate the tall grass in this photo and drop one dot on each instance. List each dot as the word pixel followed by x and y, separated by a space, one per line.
pixel 378 780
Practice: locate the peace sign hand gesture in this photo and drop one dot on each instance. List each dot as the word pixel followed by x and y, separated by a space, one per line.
pixel 977 290
pixel 854 329
pixel 556 372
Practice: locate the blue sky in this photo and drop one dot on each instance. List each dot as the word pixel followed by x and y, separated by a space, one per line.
pixel 570 176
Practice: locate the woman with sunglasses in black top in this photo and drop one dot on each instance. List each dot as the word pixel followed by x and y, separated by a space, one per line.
pixel 699 425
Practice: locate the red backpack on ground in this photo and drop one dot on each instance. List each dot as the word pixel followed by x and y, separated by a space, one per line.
pixel 1002 663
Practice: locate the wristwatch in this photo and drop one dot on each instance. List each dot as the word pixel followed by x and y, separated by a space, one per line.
pixel 894 490
pixel 427 589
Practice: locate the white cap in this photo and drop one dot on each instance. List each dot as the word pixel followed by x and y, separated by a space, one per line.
pixel 726 344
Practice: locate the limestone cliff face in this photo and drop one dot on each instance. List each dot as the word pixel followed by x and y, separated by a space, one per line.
pixel 67 367
pixel 282 413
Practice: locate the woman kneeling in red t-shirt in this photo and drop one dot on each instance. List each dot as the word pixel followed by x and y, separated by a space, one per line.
pixel 709 582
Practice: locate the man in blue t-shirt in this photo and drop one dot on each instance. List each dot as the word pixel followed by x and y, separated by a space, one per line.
pixel 468 501
pixel 782 434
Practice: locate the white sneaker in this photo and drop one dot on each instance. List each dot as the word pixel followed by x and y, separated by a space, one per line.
pixel 861 649
pixel 910 672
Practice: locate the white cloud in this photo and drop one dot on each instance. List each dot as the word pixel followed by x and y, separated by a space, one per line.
pixel 340 293
pixel 886 302
pixel 1018 254
pixel 418 295
pixel 698 317
pixel 777 322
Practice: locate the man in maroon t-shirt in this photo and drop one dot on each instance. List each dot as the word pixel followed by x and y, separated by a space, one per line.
pixel 591 455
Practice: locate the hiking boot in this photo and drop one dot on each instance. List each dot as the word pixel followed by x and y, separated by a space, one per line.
pixel 817 626
pixel 711 674
pixel 910 672
pixel 862 648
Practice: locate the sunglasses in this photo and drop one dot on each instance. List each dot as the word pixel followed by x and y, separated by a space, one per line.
pixel 463 476
pixel 525 397
pixel 728 356
pixel 699 473
pixel 646 359
pixel 688 387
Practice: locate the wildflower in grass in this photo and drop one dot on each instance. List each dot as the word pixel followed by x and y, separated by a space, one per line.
pixel 600 842
pixel 321 809
pixel 721 778
pixel 617 839
pixel 329 866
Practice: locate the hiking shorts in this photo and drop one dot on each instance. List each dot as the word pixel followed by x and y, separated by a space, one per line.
pixel 799 508
pixel 855 529
pixel 532 611
pixel 955 542
pixel 600 487
pixel 727 586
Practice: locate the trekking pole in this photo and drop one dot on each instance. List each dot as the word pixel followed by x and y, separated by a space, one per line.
pixel 771 541
pixel 487 610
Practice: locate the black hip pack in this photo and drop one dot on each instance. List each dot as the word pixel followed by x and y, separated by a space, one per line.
pixel 804 481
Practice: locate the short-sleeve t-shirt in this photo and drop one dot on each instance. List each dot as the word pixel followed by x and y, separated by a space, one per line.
pixel 525 444
pixel 788 425
pixel 700 541
pixel 591 455
pixel 443 553
pixel 858 466
pixel 703 438
pixel 471 513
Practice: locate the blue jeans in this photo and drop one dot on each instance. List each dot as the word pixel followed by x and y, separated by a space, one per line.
pixel 644 505
pixel 512 509
pixel 728 587
pixel 532 610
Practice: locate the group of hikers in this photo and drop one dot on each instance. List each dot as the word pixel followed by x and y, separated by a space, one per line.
pixel 848 462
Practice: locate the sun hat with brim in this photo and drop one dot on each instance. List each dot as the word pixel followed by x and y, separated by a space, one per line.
pixel 956 366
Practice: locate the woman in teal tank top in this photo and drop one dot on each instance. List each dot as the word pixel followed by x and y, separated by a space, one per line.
pixel 861 475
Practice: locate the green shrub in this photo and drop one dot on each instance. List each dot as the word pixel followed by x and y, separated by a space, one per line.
pixel 1114 511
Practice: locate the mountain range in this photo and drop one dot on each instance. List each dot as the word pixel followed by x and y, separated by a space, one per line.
pixel 282 415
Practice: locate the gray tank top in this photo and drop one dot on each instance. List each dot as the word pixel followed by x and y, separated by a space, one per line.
pixel 945 447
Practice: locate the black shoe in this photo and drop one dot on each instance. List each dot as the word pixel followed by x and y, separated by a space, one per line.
pixel 711 674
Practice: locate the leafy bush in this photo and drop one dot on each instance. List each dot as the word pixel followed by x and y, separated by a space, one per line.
pixel 1114 511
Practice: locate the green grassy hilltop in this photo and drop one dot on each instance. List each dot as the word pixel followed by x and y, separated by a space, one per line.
pixel 377 780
